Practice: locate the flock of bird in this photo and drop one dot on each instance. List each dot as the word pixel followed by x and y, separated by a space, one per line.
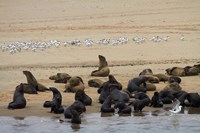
pixel 34 46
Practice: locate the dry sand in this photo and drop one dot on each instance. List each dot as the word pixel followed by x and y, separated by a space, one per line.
pixel 43 20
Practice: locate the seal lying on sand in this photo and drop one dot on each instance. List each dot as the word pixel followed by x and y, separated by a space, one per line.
pixel 134 84
pixel 95 83
pixel 78 106
pixel 60 77
pixel 33 82
pixel 19 100
pixel 83 97
pixel 103 70
pixel 173 87
pixel 56 103
pixel 176 71
pixel 106 106
pixel 74 84
pixel 191 71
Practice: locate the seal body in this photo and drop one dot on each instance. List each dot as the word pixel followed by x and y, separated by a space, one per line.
pixel 83 97
pixel 106 106
pixel 103 70
pixel 134 84
pixel 19 100
pixel 77 105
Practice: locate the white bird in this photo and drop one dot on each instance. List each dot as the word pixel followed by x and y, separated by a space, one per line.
pixel 176 106
pixel 182 38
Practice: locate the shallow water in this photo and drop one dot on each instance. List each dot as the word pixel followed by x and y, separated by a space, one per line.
pixel 151 122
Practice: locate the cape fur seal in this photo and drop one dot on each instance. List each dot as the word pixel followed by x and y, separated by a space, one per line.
pixel 106 106
pixel 19 100
pixel 174 79
pixel 176 71
pixel 166 96
pixel 140 104
pixel 95 83
pixel 173 87
pixel 83 97
pixel 60 77
pixel 104 90
pixel 123 108
pixel 74 84
pixel 134 84
pixel 28 89
pixel 77 105
pixel 31 80
pixel 56 103
pixel 103 70
pixel 76 119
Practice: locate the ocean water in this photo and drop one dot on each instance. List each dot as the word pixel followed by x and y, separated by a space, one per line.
pixel 151 122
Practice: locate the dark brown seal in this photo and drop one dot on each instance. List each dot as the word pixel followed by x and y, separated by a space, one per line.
pixel 103 70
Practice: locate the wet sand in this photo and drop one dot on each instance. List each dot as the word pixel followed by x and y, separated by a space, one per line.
pixel 65 20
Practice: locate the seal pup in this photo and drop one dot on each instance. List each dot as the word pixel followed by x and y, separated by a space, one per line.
pixel 77 105
pixel 106 106
pixel 31 80
pixel 74 84
pixel 155 100
pixel 83 97
pixel 19 100
pixel 134 84
pixel 103 70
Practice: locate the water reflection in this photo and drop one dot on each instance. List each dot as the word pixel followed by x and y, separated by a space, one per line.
pixel 158 120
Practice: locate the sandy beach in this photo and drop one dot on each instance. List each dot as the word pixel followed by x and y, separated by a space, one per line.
pixel 44 20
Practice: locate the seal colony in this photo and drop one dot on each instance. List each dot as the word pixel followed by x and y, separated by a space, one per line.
pixel 112 95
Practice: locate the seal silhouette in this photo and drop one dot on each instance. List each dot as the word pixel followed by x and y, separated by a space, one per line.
pixel 103 70
pixel 56 103
pixel 19 100
pixel 83 97
pixel 31 80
